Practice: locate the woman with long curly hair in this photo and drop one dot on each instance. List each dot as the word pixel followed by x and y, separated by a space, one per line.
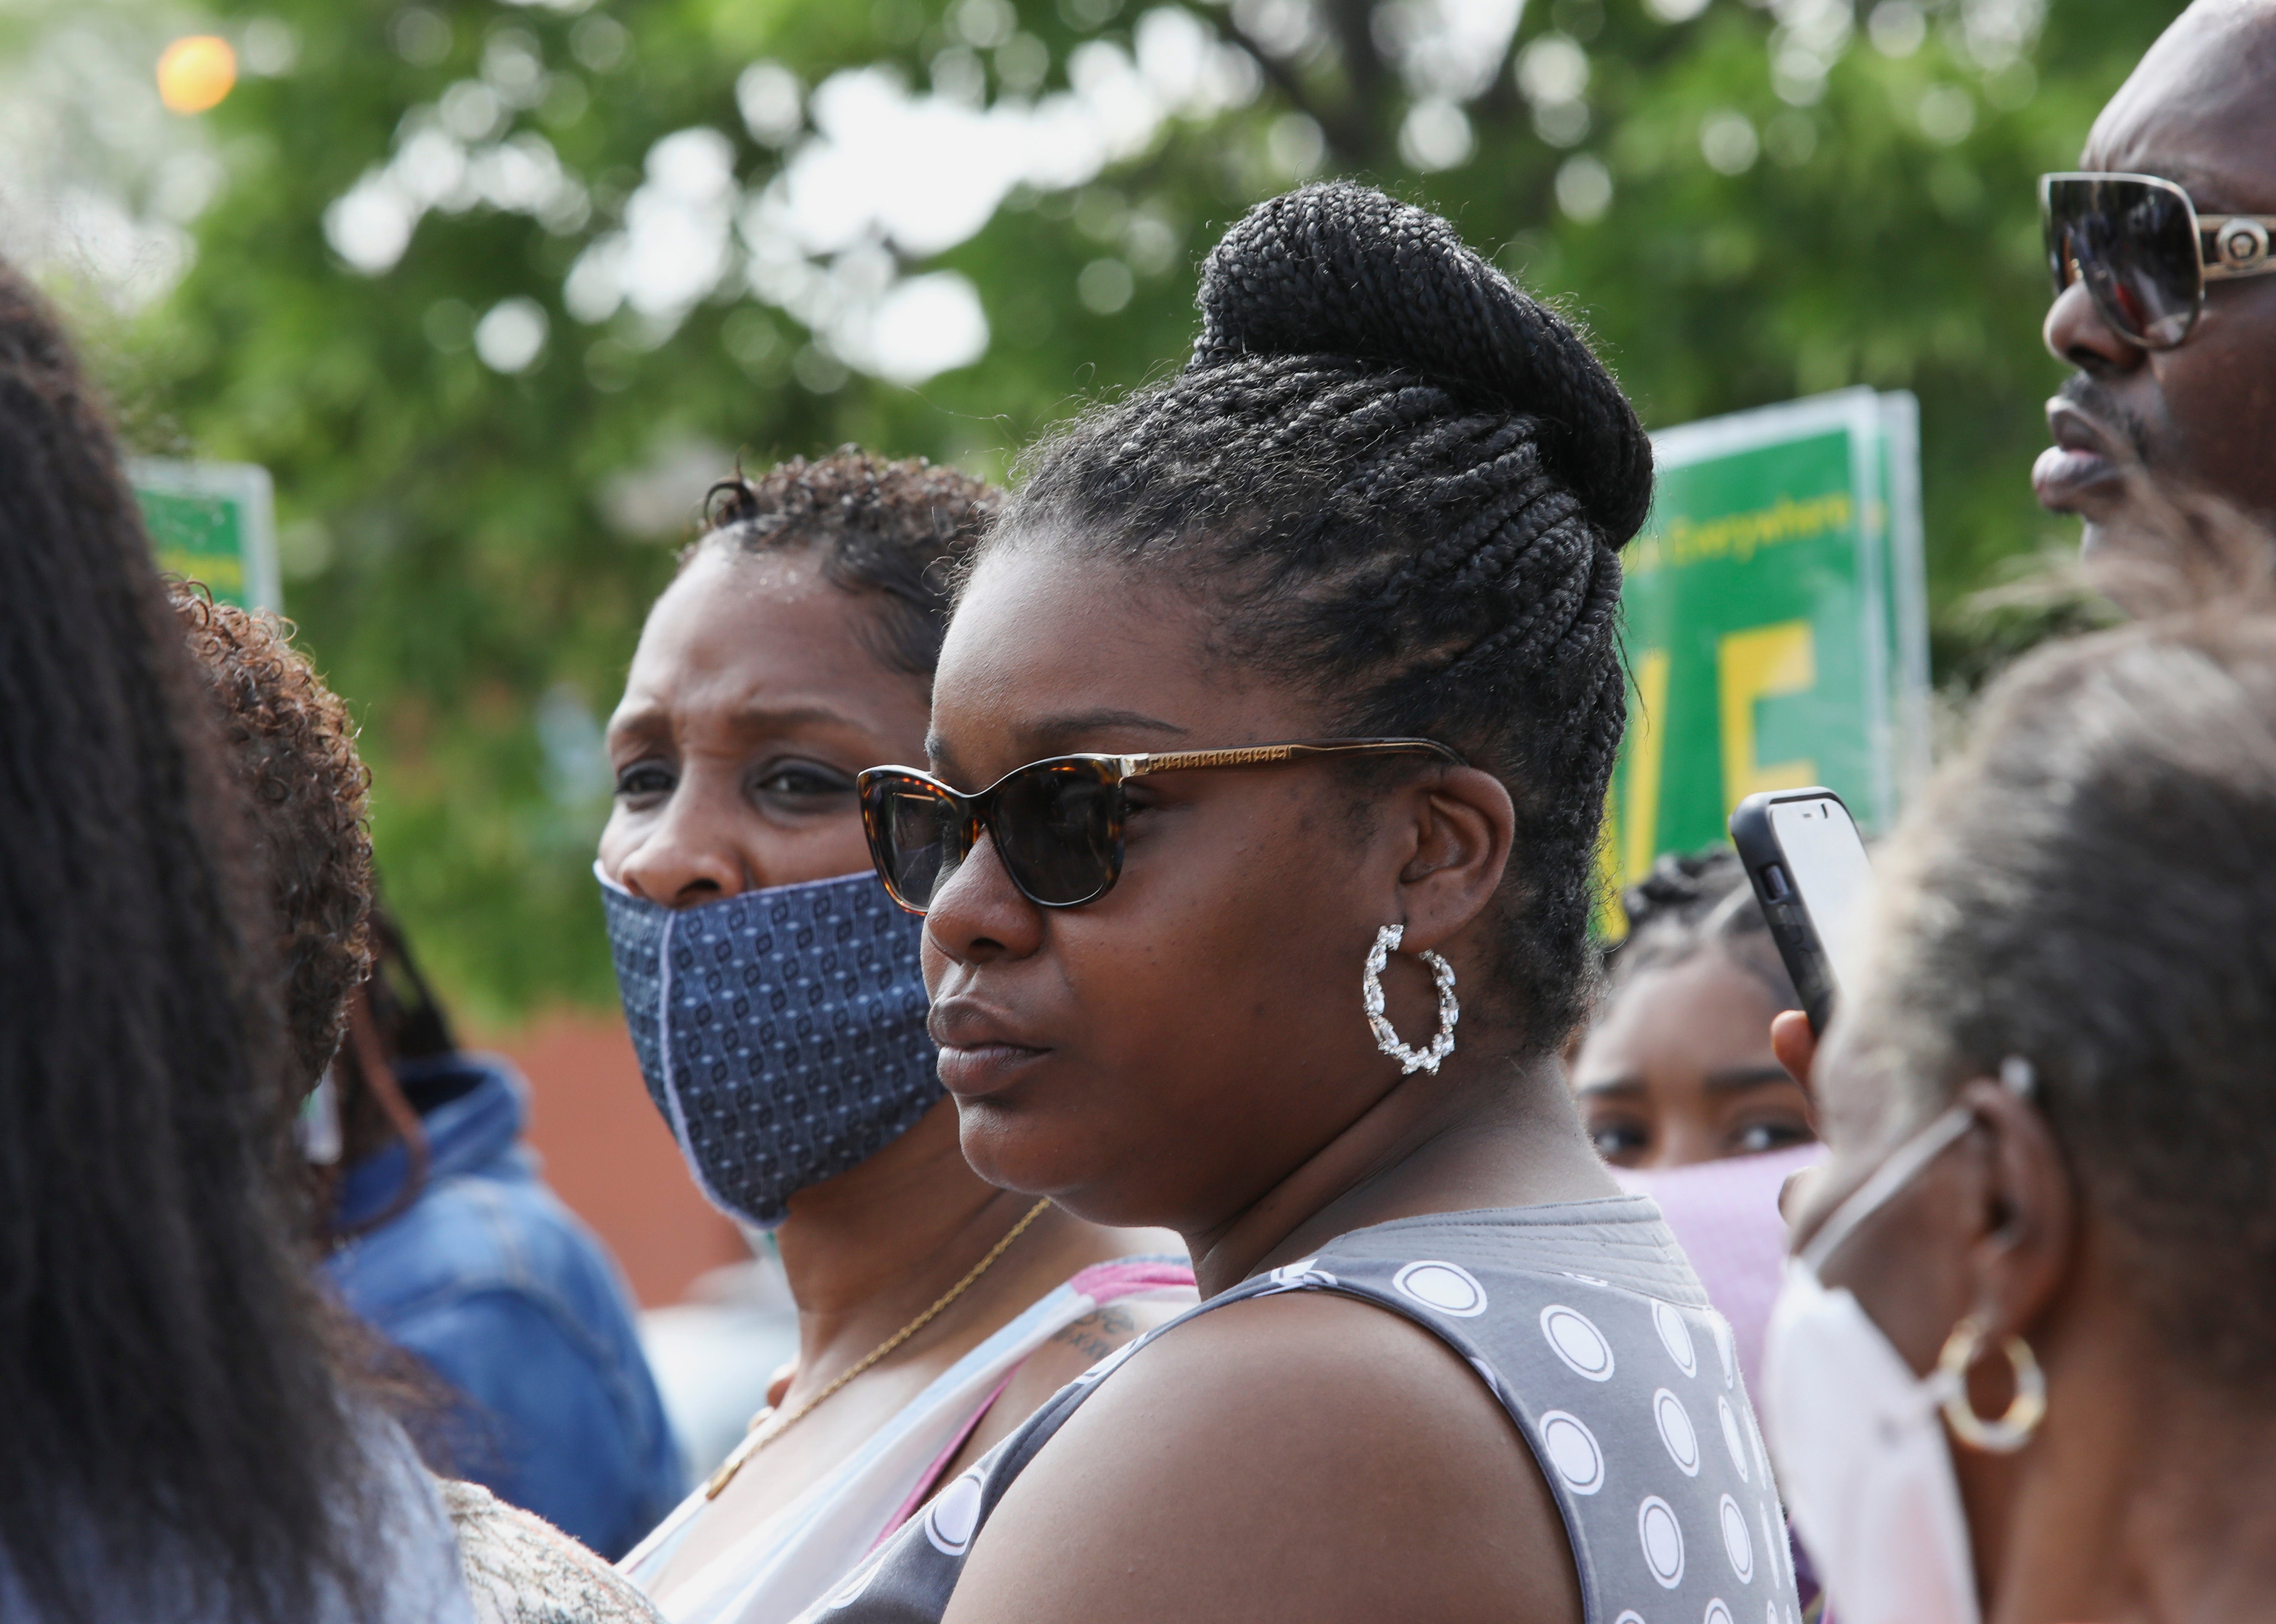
pixel 505 1313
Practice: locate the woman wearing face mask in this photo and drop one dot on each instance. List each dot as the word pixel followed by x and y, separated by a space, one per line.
pixel 1679 1088
pixel 774 995
pixel 1304 1001
pixel 2019 1369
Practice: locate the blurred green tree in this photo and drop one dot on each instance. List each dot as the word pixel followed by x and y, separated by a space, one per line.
pixel 495 289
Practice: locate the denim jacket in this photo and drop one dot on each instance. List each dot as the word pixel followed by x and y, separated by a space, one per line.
pixel 514 1302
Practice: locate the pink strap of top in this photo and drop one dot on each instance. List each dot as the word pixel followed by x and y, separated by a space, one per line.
pixel 1102 1283
pixel 1126 1277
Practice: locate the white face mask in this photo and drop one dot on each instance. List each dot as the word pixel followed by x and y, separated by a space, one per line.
pixel 1861 1449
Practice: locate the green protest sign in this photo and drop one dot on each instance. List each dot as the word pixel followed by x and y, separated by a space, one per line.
pixel 1776 622
pixel 213 522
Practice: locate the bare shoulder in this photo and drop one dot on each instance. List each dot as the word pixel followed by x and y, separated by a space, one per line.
pixel 1303 1456
pixel 1073 1349
pixel 1082 1343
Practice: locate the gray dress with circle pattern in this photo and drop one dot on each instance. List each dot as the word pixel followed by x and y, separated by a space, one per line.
pixel 1588 1324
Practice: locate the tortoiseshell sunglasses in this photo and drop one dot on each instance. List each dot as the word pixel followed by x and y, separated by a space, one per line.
pixel 1057 824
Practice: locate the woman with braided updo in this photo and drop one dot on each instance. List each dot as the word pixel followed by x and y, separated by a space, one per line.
pixel 1269 744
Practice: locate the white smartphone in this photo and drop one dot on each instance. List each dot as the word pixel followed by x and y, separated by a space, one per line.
pixel 1808 866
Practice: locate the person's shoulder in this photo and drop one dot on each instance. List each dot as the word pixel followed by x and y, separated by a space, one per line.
pixel 520 1569
pixel 1294 1350
pixel 1075 1347
pixel 458 1236
pixel 1297 1454
pixel 469 1234
pixel 1070 1351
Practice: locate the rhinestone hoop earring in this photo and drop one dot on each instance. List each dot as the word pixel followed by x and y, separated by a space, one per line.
pixel 1386 1038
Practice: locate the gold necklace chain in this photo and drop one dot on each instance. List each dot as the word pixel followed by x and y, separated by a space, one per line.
pixel 757 1439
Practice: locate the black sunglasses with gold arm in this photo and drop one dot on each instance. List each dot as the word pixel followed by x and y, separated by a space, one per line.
pixel 2144 252
pixel 1057 824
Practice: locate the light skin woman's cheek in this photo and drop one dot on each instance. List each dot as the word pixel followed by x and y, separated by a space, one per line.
pixel 1906 1264
pixel 616 840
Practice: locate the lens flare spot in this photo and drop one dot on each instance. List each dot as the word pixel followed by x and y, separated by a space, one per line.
pixel 195 72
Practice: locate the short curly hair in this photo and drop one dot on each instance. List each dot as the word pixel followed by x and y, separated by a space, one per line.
pixel 894 530
pixel 291 749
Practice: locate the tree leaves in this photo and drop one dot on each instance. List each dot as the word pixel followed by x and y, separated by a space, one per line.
pixel 1756 203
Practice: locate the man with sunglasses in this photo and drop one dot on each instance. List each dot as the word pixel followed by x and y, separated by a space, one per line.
pixel 2160 252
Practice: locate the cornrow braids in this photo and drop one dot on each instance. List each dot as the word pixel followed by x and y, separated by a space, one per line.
pixel 895 531
pixel 1691 901
pixel 1398 480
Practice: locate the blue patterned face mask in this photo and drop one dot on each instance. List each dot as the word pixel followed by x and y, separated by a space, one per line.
pixel 782 1032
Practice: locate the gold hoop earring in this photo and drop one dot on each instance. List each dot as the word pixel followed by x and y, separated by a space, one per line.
pixel 2003 1434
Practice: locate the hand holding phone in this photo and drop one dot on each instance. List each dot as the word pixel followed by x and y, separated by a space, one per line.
pixel 1808 866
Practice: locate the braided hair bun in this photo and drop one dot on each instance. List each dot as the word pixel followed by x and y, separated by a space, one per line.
pixel 1400 485
pixel 1338 268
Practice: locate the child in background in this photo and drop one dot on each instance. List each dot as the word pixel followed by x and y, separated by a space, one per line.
pixel 1682 1096
pixel 1677 1068
pixel 1678 1086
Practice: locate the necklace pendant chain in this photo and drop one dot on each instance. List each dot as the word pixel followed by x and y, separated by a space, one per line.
pixel 764 1431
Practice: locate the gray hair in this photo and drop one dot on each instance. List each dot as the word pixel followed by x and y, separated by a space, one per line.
pixel 2091 885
